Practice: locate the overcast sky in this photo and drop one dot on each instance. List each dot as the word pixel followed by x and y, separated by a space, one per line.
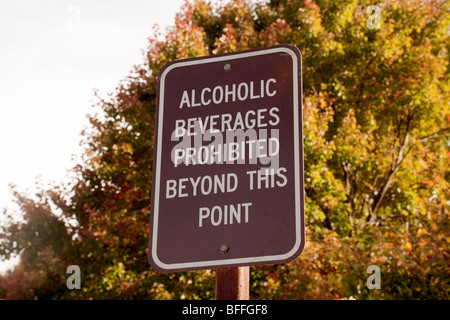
pixel 53 54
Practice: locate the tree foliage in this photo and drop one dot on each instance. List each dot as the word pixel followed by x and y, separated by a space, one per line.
pixel 376 116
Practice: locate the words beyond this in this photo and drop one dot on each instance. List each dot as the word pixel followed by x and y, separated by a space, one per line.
pixel 224 183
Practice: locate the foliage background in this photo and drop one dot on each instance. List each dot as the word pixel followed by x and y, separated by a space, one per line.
pixel 376 116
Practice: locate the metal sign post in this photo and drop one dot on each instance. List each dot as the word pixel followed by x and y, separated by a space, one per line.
pixel 227 189
pixel 233 283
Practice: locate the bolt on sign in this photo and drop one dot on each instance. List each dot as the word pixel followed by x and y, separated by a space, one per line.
pixel 228 161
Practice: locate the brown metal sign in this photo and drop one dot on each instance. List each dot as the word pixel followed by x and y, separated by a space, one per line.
pixel 228 161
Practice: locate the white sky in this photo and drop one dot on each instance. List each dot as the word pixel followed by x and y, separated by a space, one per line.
pixel 53 54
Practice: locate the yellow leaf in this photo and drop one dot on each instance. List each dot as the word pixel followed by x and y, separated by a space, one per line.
pixel 408 246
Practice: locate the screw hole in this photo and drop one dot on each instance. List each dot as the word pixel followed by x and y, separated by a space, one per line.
pixel 224 248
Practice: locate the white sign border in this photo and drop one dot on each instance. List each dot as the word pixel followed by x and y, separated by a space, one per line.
pixel 298 203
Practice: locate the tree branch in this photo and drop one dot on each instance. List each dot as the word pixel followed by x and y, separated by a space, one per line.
pixel 396 162
pixel 436 135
